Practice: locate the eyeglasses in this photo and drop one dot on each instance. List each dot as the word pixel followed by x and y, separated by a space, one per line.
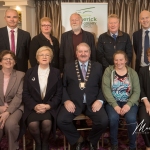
pixel 46 25
pixel 42 55
pixel 6 59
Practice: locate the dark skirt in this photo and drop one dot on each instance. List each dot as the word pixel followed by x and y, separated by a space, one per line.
pixel 38 117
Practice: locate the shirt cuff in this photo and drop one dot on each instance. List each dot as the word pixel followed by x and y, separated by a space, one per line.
pixel 143 98
pixel 101 101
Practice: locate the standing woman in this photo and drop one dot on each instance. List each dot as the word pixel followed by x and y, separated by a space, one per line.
pixel 42 92
pixel 11 108
pixel 121 89
pixel 44 39
pixel 144 107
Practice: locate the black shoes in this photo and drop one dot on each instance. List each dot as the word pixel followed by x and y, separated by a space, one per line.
pixel 92 147
pixel 114 147
pixel 77 146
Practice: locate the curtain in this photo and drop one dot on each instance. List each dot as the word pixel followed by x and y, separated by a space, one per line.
pixel 51 9
pixel 127 10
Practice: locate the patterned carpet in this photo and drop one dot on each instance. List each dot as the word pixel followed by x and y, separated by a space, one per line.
pixel 58 143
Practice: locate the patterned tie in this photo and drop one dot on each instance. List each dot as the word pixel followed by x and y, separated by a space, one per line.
pixel 114 36
pixel 12 41
pixel 146 46
pixel 83 70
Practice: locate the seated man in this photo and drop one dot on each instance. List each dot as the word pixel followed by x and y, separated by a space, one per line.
pixel 82 94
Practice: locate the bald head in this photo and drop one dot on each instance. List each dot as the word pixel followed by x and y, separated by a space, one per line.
pixel 144 19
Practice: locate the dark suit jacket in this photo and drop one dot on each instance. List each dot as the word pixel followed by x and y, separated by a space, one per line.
pixel 32 96
pixel 13 95
pixel 39 41
pixel 22 51
pixel 67 53
pixel 71 90
pixel 137 44
pixel 144 77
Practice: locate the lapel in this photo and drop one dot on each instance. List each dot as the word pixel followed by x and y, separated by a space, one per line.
pixel 34 81
pixel 19 40
pixel 11 83
pixel 6 38
pixel 70 42
pixel 140 40
pixel 1 86
pixel 84 37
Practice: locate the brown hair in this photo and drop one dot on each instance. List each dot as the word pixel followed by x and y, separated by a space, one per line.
pixel 5 52
pixel 148 51
pixel 121 52
pixel 45 19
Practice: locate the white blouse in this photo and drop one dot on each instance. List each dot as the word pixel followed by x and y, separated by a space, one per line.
pixel 43 78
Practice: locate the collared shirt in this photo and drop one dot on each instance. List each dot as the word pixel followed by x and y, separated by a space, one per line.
pixel 145 97
pixel 15 34
pixel 86 65
pixel 113 34
pixel 77 39
pixel 143 38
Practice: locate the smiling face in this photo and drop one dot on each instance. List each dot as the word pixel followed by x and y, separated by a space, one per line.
pixel 113 25
pixel 144 19
pixel 75 22
pixel 7 62
pixel 119 61
pixel 11 18
pixel 83 53
pixel 44 57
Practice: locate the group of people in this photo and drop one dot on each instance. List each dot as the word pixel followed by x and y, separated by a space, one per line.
pixel 67 81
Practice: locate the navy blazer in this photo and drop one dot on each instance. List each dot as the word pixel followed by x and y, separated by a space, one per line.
pixel 67 53
pixel 31 93
pixel 22 51
pixel 71 90
pixel 137 44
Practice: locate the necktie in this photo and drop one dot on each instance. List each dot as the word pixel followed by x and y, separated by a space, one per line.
pixel 83 70
pixel 146 46
pixel 12 41
pixel 114 36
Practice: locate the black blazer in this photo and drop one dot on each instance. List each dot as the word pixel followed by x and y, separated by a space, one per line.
pixel 31 95
pixel 137 44
pixel 39 41
pixel 67 53
pixel 144 77
pixel 22 51
pixel 71 90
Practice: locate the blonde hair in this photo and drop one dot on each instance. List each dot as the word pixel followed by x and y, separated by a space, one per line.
pixel 148 51
pixel 83 44
pixel 44 48
pixel 10 9
pixel 45 19
pixel 113 16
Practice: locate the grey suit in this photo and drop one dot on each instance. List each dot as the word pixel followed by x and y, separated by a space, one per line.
pixel 13 97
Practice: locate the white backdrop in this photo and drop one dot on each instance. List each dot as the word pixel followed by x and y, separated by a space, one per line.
pixel 94 16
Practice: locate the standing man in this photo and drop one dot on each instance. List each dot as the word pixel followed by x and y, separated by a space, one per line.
pixel 15 39
pixel 141 40
pixel 111 41
pixel 70 40
pixel 82 94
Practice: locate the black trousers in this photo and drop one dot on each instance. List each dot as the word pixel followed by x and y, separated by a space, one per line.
pixel 99 124
pixel 144 116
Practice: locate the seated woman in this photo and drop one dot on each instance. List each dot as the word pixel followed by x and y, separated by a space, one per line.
pixel 144 107
pixel 121 89
pixel 42 92
pixel 11 108
pixel 45 38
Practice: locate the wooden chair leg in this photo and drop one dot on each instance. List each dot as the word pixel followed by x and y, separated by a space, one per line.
pixel 24 142
pixel 64 143
pixel 33 145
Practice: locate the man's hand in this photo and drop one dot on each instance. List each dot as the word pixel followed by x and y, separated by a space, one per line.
pixel 3 118
pixel 117 109
pixel 3 109
pixel 96 106
pixel 147 105
pixel 124 109
pixel 69 105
